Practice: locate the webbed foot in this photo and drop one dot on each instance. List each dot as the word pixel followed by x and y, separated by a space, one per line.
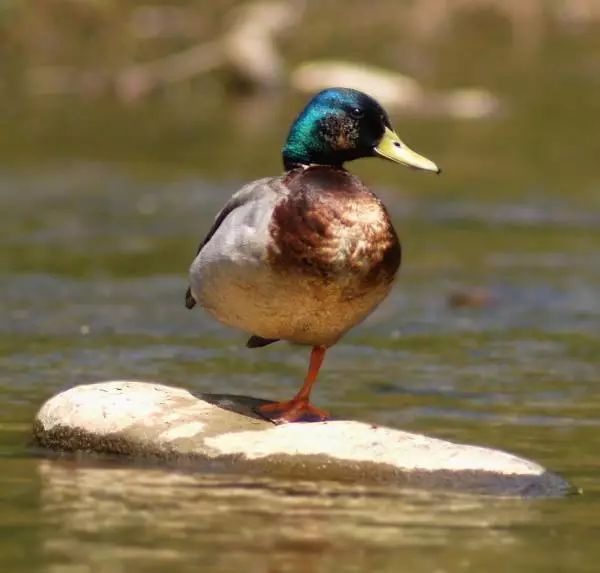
pixel 292 411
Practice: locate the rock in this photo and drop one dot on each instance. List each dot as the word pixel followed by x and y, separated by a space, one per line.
pixel 395 90
pixel 473 297
pixel 211 431
pixel 388 87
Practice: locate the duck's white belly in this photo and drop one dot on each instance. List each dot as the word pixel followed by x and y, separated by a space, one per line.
pixel 272 305
pixel 232 280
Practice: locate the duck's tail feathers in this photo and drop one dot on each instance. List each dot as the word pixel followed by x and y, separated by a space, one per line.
pixel 190 301
pixel 258 341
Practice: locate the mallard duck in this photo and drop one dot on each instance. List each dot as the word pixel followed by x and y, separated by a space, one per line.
pixel 306 255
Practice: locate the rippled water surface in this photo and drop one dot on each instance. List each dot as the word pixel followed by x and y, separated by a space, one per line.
pixel 98 224
pixel 98 261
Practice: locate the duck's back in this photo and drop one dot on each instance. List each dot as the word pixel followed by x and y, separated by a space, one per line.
pixel 303 257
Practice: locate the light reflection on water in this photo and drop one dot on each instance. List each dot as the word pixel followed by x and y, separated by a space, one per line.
pixel 223 521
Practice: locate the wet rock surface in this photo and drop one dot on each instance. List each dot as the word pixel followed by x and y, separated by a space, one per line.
pixel 221 432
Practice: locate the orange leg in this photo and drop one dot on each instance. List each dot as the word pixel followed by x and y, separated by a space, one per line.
pixel 299 408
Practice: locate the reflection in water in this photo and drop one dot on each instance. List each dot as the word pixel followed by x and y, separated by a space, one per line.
pixel 222 521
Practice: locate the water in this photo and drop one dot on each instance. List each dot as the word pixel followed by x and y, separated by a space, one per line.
pixel 97 230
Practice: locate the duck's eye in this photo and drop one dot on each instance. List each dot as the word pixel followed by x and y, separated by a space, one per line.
pixel 357 113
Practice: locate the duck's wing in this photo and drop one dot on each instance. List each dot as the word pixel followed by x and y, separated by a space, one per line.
pixel 232 204
pixel 250 192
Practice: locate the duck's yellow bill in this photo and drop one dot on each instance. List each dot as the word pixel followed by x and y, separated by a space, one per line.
pixel 392 148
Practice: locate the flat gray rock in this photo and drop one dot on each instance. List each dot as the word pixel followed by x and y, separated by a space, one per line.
pixel 221 432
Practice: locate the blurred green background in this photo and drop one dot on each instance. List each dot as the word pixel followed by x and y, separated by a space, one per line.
pixel 125 127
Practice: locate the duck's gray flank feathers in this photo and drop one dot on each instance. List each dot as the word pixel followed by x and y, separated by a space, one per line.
pixel 246 193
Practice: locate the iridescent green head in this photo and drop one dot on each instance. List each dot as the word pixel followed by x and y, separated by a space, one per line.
pixel 341 124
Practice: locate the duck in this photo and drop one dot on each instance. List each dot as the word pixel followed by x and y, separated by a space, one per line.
pixel 305 256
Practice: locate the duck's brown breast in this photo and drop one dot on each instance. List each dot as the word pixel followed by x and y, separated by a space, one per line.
pixel 332 228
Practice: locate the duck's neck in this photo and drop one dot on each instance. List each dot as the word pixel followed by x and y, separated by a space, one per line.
pixel 308 145
pixel 305 148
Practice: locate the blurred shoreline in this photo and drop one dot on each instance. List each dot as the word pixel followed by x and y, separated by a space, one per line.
pixel 534 73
